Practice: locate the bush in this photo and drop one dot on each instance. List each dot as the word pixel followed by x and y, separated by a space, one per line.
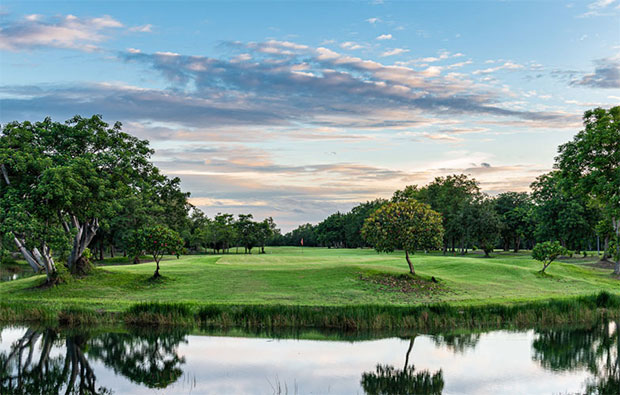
pixel 547 252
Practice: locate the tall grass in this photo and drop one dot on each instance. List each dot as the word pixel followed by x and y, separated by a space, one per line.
pixel 343 318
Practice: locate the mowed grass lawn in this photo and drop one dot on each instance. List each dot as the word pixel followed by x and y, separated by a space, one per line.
pixel 319 276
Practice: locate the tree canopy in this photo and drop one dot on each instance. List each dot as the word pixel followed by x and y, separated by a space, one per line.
pixel 409 225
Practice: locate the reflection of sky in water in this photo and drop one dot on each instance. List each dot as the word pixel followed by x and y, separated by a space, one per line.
pixel 501 362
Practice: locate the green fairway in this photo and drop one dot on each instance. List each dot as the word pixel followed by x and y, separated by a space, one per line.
pixel 317 277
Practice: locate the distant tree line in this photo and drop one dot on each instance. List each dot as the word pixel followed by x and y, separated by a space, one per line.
pixel 577 204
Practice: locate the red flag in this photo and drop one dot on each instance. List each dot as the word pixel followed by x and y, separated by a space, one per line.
pixel 302 241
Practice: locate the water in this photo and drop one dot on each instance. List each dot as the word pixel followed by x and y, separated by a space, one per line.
pixel 553 361
pixel 14 272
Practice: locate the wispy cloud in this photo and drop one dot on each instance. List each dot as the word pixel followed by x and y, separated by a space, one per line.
pixel 606 75
pixel 384 37
pixel 70 31
pixel 395 51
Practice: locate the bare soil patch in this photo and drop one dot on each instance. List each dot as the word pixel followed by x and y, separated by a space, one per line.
pixel 405 283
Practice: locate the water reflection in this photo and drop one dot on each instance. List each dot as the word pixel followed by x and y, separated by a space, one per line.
pixel 22 373
pixel 595 348
pixel 388 380
pixel 13 272
pixel 145 357
pixel 36 362
pixel 574 360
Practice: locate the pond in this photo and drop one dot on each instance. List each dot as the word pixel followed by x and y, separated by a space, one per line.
pixel 560 360
pixel 10 272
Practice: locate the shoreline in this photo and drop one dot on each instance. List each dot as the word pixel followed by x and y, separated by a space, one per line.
pixel 428 317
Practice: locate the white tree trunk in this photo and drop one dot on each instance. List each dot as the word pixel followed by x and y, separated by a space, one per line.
pixel 85 234
pixel 28 256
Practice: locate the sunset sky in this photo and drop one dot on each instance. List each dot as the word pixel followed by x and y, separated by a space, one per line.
pixel 298 109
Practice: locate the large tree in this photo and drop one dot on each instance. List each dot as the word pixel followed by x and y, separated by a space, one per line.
pixel 591 161
pixel 561 214
pixel 448 196
pixel 60 179
pixel 515 212
pixel 481 224
pixel 408 225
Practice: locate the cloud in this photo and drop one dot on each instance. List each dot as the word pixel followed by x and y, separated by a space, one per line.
pixel 142 29
pixel 350 45
pixel 395 51
pixel 384 37
pixel 505 66
pixel 598 8
pixel 606 75
pixel 372 21
pixel 36 31
pixel 287 87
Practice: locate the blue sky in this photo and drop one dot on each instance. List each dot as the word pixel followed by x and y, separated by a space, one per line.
pixel 298 109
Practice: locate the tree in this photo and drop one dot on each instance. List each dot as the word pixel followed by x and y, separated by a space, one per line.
pixel 159 240
pixel 561 214
pixel 515 212
pixel 247 232
pixel 547 252
pixel 264 231
pixel 409 225
pixel 481 224
pixel 331 231
pixel 591 161
pixel 59 180
pixel 354 220
pixel 307 232
pixel 448 196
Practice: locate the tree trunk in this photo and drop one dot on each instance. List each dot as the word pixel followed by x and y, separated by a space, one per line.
pixel 83 237
pixel 156 270
pixel 616 223
pixel 409 262
pixel 111 250
pixel 517 243
pixel 101 248
pixel 605 249
pixel 28 255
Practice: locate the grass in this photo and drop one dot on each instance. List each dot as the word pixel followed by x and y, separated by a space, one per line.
pixel 329 279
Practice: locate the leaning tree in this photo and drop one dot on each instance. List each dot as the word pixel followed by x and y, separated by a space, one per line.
pixel 408 225
pixel 59 179
pixel 591 163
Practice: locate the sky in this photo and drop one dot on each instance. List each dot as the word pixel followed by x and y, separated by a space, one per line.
pixel 296 110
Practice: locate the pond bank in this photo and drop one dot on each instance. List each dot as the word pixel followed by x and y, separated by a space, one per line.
pixel 358 317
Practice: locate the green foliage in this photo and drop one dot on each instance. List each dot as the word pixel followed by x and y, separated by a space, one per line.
pixel 515 210
pixel 481 224
pixel 157 241
pixel 331 231
pixel 547 252
pixel 561 214
pixel 408 225
pixel 447 196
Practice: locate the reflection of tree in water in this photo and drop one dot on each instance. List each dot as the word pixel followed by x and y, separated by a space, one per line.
pixel 595 349
pixel 147 358
pixel 389 380
pixel 23 373
pixel 457 343
pixel 34 365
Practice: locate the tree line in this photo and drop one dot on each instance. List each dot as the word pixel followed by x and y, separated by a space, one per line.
pixel 577 204
pixel 76 190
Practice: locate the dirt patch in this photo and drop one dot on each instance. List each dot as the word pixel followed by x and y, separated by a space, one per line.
pixel 405 283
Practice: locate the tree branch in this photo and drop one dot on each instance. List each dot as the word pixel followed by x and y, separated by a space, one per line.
pixel 5 173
